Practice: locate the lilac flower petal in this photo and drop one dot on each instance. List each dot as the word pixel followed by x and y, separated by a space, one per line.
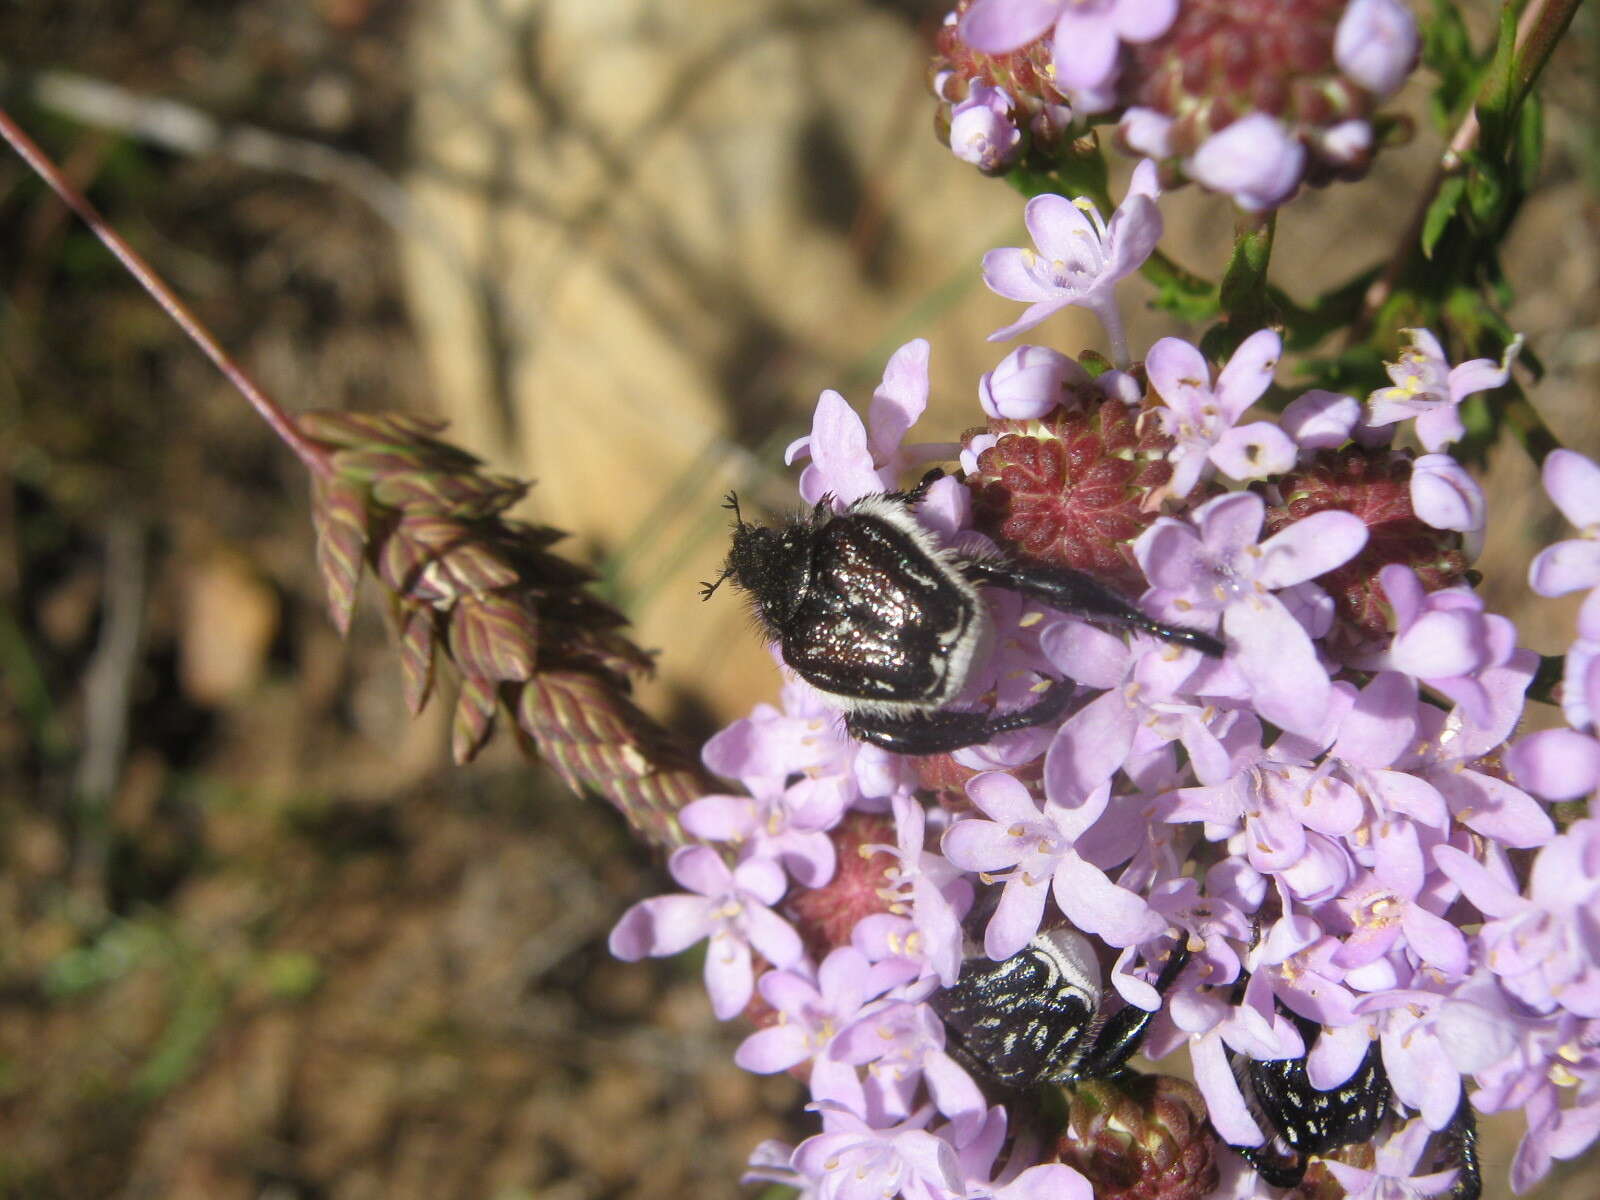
pixel 1180 375
pixel 1016 918
pixel 1288 685
pixel 1032 315
pixel 1422 1075
pixel 788 992
pixel 1436 941
pixel 1321 420
pixel 1170 553
pixel 1336 1055
pixel 1567 566
pixel 1232 522
pixel 660 926
pixel 1440 645
pixel 1580 683
pixel 1089 747
pixel 1445 495
pixel 1408 796
pixel 1072 815
pixel 954 1094
pixel 1255 160
pixel 934 1160
pixel 700 869
pixel 729 977
pixel 1254 451
pixel 986 846
pixel 719 818
pixel 1333 807
pixel 1376 45
pixel 839 449
pixel 773 936
pixel 1589 617
pixel 776 1048
pixel 1029 382
pixel 1494 808
pixel 1144 20
pixel 1558 764
pixel 1089 655
pixel 1134 230
pixel 1481 374
pixel 1382 723
pixel 1573 484
pixel 1147 131
pixel 1225 1103
pixel 1487 893
pixel 1404 590
pixel 1060 230
pixel 1310 547
pixel 1249 372
pixel 1439 427
pixel 1474 1036
pixel 983 131
pixel 1096 905
pixel 1001 26
pixel 1146 177
pixel 1003 798
pixel 1008 271
pixel 1084 50
pixel 899 400
pixel 1047 1181
pixel 761 878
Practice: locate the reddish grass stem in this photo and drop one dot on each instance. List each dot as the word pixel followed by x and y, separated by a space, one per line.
pixel 279 421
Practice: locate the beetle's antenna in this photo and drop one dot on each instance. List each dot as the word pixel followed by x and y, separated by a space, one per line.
pixel 731 502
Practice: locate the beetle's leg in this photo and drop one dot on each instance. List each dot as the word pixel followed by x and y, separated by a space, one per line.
pixel 1120 1037
pixel 1277 1172
pixel 1082 595
pixel 939 732
pixel 1461 1136
pixel 914 495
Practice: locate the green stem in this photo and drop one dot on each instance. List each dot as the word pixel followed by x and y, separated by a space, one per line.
pixel 1538 31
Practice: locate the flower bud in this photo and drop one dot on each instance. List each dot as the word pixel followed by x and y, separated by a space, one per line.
pixel 1143 1137
pixel 982 131
pixel 1028 383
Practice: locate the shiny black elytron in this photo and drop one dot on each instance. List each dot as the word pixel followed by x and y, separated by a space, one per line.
pixel 870 611
pixel 1312 1123
pixel 1035 1017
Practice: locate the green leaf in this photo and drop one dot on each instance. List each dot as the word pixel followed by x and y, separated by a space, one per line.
pixel 1440 212
pixel 1447 52
pixel 1487 194
pixel 1528 150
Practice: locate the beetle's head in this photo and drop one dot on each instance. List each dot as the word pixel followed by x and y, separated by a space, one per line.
pixel 770 564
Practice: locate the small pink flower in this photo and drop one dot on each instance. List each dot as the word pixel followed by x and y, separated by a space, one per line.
pixel 732 908
pixel 1078 257
pixel 1428 388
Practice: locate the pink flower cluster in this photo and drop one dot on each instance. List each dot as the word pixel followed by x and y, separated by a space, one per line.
pixel 1338 828
pixel 1115 57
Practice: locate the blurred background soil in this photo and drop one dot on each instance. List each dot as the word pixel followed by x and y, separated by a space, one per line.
pixel 257 938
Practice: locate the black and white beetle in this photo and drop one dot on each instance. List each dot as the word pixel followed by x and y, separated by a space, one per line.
pixel 1312 1122
pixel 1035 1017
pixel 870 611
